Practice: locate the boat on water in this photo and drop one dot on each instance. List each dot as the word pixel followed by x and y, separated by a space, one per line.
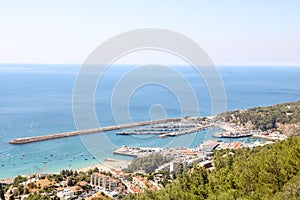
pixel 236 136
pixel 232 135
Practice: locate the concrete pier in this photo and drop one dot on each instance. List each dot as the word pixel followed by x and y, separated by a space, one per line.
pixel 89 131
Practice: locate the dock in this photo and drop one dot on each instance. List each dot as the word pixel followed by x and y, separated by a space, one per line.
pixel 26 140
pixel 183 132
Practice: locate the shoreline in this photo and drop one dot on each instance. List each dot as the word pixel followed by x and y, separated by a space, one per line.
pixel 107 165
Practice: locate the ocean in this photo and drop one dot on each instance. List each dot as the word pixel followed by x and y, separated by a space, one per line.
pixel 36 99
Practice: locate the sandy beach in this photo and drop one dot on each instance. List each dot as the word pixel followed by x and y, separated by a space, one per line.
pixel 108 165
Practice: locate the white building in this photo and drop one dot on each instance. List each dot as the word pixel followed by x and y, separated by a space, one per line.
pixel 98 179
pixel 209 145
pixel 65 194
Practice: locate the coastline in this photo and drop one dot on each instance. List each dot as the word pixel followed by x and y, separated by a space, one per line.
pixel 108 166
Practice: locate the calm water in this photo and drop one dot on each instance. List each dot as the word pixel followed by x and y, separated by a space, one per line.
pixel 37 100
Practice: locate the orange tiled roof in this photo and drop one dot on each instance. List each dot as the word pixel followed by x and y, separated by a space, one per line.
pixel 82 183
pixel 135 189
pixel 116 171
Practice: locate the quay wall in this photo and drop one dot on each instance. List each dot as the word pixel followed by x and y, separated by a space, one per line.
pixel 89 131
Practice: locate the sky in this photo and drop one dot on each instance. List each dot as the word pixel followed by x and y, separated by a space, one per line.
pixel 231 32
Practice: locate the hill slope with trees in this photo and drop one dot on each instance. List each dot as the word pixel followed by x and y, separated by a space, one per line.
pixel 284 117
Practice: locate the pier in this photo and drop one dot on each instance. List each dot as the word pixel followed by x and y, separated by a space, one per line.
pixel 89 131
pixel 183 132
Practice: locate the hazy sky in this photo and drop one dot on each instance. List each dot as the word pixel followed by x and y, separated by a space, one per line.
pixel 231 32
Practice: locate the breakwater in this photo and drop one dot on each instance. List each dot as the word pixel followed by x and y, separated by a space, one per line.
pixel 26 140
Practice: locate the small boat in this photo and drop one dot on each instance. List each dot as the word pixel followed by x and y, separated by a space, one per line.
pixel 81 154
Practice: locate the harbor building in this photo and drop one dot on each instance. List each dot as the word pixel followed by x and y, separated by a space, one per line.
pixel 209 145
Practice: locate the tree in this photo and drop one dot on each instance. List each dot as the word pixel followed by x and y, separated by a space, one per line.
pixel 2 193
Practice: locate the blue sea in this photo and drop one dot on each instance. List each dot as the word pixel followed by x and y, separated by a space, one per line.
pixel 36 99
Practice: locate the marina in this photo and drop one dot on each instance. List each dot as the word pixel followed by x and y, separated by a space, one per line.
pixel 172 129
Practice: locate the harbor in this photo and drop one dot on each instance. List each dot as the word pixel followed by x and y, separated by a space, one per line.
pixel 170 127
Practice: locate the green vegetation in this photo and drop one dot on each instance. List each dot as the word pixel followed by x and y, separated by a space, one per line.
pixel 147 163
pixel 268 172
pixel 38 197
pixel 2 191
pixel 265 118
pixel 18 180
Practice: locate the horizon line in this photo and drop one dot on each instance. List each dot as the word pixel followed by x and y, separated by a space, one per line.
pixel 175 64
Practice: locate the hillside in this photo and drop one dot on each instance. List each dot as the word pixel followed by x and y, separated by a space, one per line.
pixel 284 117
pixel 268 172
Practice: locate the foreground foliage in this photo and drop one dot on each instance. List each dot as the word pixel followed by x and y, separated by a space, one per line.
pixel 268 172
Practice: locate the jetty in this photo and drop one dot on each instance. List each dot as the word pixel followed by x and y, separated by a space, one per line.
pixel 183 132
pixel 26 140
